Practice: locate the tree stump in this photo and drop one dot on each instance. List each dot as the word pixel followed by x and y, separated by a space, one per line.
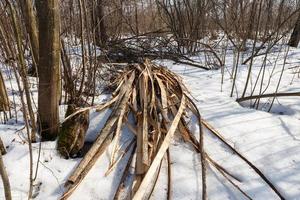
pixel 72 134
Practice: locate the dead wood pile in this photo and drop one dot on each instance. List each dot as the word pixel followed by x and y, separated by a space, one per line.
pixel 159 106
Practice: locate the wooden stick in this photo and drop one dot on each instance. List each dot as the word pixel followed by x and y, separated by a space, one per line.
pixel 221 168
pixel 165 145
pixel 169 194
pixel 220 137
pixel 145 88
pixel 125 174
pixel 123 153
pixel 153 184
pixel 195 110
pixel 71 186
pixel 291 94
pixel 223 173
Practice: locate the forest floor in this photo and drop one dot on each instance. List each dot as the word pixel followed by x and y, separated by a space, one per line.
pixel 271 140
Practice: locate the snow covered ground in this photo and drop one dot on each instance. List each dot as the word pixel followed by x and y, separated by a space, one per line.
pixel 270 140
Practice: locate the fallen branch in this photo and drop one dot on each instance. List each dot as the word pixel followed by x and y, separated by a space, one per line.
pixel 220 137
pixel 223 173
pixel 268 96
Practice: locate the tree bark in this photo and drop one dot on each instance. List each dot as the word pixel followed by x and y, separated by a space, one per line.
pixel 295 37
pixel 4 175
pixel 251 20
pixel 49 73
pixel 4 101
pixel 32 30
pixel 99 25
pixel 2 147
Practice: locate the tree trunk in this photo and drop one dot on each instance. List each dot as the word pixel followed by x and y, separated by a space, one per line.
pixel 4 175
pixel 22 66
pixel 32 30
pixel 295 37
pixel 49 73
pixel 2 148
pixel 252 20
pixel 99 25
pixel 4 101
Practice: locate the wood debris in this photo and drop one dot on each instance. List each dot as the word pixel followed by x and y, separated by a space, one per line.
pixel 160 105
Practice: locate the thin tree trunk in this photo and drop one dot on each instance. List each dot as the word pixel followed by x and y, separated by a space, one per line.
pixel 22 69
pixel 295 37
pixel 49 73
pixel 5 180
pixel 4 101
pixel 32 29
pixel 253 48
pixel 101 32
pixel 2 147
pixel 251 20
pixel 82 26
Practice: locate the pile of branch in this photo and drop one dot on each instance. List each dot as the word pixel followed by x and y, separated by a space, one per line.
pixel 137 49
pixel 160 106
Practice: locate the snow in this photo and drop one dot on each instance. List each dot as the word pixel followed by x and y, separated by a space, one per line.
pixel 271 140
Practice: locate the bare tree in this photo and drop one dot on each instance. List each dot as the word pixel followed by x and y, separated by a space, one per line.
pixel 49 72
